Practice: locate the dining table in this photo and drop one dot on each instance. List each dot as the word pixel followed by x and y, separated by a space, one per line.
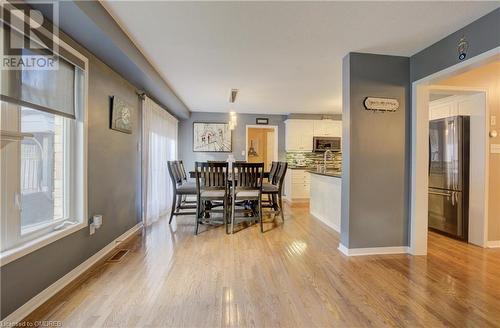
pixel 192 175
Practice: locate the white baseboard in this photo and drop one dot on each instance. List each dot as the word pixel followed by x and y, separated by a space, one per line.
pixel 373 250
pixel 493 244
pixel 332 225
pixel 42 297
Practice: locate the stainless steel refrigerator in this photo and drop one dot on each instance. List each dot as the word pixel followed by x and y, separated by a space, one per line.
pixel 449 176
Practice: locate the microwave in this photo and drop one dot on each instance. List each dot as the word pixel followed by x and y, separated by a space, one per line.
pixel 321 144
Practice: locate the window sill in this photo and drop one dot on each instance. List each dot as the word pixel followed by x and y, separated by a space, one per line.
pixel 32 245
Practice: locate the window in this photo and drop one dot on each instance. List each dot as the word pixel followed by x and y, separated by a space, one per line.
pixel 42 155
pixel 44 169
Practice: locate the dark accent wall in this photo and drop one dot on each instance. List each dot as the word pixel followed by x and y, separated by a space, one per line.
pixel 482 35
pixel 114 190
pixel 375 157
pixel 186 136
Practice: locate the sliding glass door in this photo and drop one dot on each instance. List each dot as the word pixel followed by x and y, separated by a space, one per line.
pixel 159 146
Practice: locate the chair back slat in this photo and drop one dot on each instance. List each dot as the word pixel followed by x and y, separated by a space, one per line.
pixel 280 174
pixel 173 171
pixel 273 171
pixel 248 175
pixel 211 175
pixel 182 170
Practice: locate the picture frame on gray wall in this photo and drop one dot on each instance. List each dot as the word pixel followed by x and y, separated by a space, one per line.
pixel 212 137
pixel 120 115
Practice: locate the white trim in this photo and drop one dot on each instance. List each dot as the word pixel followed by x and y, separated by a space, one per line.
pixel 42 297
pixel 324 220
pixel 419 148
pixel 373 250
pixel 493 244
pixel 263 126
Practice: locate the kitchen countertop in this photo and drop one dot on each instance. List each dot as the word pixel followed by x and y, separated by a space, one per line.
pixel 328 173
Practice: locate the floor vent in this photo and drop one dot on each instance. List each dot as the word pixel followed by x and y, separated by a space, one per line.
pixel 118 257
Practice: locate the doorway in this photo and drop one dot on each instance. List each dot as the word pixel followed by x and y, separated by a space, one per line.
pixel 446 81
pixel 261 144
pixel 457 162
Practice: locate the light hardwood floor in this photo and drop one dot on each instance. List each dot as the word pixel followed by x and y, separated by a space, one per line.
pixel 291 276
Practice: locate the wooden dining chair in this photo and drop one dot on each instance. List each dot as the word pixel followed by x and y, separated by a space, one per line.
pixel 247 187
pixel 182 170
pixel 270 180
pixel 275 189
pixel 180 190
pixel 212 190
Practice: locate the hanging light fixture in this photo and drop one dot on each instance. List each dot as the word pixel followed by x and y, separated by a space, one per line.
pixel 233 95
pixel 233 120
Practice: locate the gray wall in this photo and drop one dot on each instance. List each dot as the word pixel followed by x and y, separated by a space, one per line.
pixel 375 156
pixel 186 136
pixel 482 35
pixel 114 190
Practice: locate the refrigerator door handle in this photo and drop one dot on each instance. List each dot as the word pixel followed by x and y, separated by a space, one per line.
pixel 441 193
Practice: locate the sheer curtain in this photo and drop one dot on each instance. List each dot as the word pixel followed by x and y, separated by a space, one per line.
pixel 159 146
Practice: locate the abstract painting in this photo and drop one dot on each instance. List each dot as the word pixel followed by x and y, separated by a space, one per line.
pixel 211 137
pixel 121 115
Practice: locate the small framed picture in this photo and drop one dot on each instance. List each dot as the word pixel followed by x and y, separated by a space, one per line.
pixel 121 115
pixel 263 121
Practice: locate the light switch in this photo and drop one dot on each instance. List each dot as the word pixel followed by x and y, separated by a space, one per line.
pixel 493 120
pixel 242 153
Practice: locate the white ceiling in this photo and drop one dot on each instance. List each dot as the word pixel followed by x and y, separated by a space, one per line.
pixel 285 57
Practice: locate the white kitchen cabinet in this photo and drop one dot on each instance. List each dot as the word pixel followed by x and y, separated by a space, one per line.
pixel 452 106
pixel 442 108
pixel 297 185
pixel 327 128
pixel 299 135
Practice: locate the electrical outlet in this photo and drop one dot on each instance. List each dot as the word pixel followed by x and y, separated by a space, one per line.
pixel 493 120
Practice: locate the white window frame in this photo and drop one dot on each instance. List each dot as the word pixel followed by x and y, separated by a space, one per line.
pixel 40 229
pixel 78 211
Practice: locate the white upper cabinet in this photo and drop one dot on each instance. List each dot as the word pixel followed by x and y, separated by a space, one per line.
pixel 327 128
pixel 299 135
pixel 453 106
pixel 440 109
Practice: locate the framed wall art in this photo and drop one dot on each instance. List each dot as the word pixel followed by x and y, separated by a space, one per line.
pixel 212 137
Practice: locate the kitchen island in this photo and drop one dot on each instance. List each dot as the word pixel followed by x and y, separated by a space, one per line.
pixel 325 197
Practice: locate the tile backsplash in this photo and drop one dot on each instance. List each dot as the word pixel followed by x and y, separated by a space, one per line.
pixel 310 159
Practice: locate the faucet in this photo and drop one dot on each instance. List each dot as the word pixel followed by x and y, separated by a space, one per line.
pixel 325 155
